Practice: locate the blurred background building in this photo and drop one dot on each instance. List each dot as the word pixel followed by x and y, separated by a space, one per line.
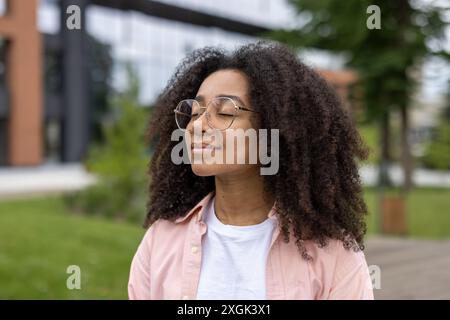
pixel 55 82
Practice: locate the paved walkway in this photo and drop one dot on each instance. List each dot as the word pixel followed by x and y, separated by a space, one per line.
pixel 410 269
pixel 51 178
pixel 421 177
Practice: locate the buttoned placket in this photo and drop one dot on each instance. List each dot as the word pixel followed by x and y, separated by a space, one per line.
pixel 193 259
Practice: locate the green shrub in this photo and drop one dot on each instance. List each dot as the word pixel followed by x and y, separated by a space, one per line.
pixel 437 154
pixel 119 163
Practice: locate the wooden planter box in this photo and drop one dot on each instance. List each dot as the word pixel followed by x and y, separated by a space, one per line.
pixel 393 220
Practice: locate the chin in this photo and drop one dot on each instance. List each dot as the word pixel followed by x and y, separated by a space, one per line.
pixel 204 170
pixel 208 170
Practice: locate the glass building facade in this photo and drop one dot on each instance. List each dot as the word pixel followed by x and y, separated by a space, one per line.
pixel 79 66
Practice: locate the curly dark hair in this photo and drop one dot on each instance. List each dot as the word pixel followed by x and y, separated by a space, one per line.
pixel 317 190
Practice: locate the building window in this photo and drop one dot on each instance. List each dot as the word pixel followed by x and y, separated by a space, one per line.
pixel 3 7
pixel 52 140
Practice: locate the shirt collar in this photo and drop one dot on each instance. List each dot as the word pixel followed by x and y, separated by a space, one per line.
pixel 200 209
pixel 199 206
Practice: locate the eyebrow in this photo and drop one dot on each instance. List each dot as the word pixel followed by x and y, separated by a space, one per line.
pixel 201 98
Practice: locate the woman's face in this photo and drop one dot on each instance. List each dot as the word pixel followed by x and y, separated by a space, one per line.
pixel 214 143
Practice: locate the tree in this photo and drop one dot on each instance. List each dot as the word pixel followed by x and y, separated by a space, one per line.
pixel 410 32
pixel 120 161
pixel 437 152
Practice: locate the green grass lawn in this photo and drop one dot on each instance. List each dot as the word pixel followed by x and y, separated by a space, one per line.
pixel 428 212
pixel 39 239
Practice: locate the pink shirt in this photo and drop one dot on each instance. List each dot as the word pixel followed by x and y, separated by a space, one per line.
pixel 168 260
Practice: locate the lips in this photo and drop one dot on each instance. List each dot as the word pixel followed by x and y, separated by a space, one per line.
pixel 199 147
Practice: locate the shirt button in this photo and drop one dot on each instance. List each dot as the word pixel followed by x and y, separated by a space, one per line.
pixel 185 297
pixel 194 249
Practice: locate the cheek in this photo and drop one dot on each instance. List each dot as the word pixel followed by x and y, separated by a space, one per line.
pixel 251 139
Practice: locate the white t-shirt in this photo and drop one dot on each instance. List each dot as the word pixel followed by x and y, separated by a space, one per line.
pixel 234 259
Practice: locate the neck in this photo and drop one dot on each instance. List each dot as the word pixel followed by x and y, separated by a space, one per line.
pixel 240 198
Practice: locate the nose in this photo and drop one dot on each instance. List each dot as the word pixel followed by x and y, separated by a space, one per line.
pixel 201 121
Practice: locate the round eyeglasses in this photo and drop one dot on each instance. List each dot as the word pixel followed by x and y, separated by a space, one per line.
pixel 220 112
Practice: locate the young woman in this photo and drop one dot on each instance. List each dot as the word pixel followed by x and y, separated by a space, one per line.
pixel 224 230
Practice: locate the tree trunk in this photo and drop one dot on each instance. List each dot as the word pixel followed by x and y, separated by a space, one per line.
pixel 406 158
pixel 384 179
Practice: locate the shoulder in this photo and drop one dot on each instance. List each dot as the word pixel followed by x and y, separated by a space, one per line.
pixel 335 258
pixel 337 272
pixel 334 250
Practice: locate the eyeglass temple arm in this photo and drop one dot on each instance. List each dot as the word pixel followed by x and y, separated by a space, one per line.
pixel 245 109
